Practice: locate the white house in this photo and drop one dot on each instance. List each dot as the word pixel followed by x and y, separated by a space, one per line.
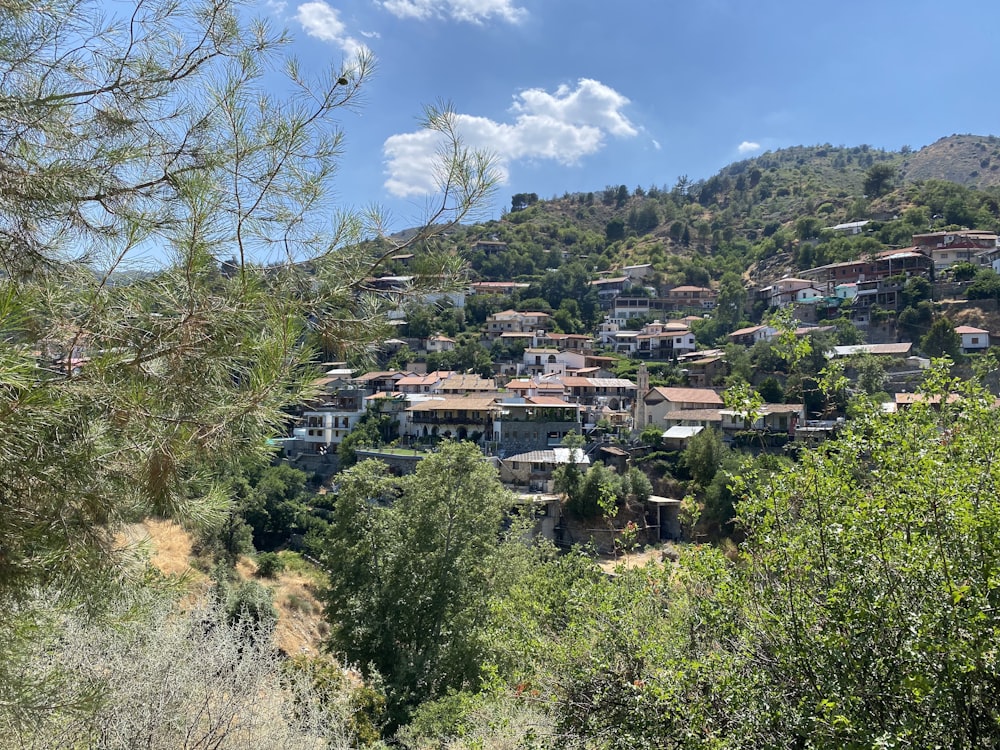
pixel 789 290
pixel 846 291
pixel 546 360
pixel 330 418
pixel 973 339
pixel 439 343
pixel 753 334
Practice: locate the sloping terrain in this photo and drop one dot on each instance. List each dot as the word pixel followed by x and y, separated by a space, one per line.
pixel 301 627
pixel 970 160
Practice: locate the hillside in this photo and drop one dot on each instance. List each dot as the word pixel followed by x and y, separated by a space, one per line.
pixel 758 217
pixel 970 160
pixel 301 626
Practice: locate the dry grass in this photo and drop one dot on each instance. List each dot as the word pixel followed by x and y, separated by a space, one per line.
pixel 301 628
pixel 633 560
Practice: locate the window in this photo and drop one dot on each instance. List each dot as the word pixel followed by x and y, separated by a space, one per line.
pixel 975 339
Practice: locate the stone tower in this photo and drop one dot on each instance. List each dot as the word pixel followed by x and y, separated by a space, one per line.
pixel 642 388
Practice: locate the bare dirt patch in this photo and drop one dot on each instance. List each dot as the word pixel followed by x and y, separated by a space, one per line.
pixel 633 560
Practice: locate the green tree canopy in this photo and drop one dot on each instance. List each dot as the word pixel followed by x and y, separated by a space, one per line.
pixel 410 565
pixel 942 340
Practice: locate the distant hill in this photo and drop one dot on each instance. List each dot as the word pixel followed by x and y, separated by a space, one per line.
pixel 970 160
pixel 759 217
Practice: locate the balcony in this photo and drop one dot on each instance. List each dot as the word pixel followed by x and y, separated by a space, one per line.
pixel 456 420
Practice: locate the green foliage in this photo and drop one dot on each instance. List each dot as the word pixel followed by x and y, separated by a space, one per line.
pixel 771 391
pixel 745 402
pixel 986 285
pixel 860 612
pixel 615 230
pixel 914 322
pixel 636 485
pixel 274 502
pixel 651 435
pixel 871 373
pixel 125 389
pixel 269 564
pixel 251 605
pixel 703 455
pixel 409 581
pixel 942 340
pixel 964 271
pixel 521 201
pixel 879 179
pixel 731 303
pixel 168 676
pixel 372 430
pixel 329 683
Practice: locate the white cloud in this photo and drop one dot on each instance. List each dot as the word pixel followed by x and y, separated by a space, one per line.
pixel 563 127
pixel 371 35
pixel 471 11
pixel 656 144
pixel 323 22
pixel 748 147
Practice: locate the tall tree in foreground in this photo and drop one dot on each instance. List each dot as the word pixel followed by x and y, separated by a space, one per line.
pixel 411 563
pixel 154 134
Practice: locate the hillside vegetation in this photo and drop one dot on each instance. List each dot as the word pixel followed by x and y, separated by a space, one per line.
pixel 760 217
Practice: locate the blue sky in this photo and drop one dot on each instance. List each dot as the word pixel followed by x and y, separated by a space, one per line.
pixel 573 95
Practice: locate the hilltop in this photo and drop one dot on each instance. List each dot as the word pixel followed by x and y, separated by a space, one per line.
pixel 759 217
pixel 970 160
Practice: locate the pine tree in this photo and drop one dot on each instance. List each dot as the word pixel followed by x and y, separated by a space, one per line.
pixel 123 388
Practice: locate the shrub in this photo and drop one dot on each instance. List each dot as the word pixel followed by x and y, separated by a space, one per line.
pixel 269 564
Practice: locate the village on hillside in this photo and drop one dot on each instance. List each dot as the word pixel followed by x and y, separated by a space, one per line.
pixel 645 380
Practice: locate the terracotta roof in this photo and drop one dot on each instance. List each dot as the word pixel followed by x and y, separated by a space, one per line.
pixel 687 395
pixel 429 379
pixel 745 331
pixel 919 398
pixel 612 450
pixel 467 382
pixel 969 329
pixel 451 403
